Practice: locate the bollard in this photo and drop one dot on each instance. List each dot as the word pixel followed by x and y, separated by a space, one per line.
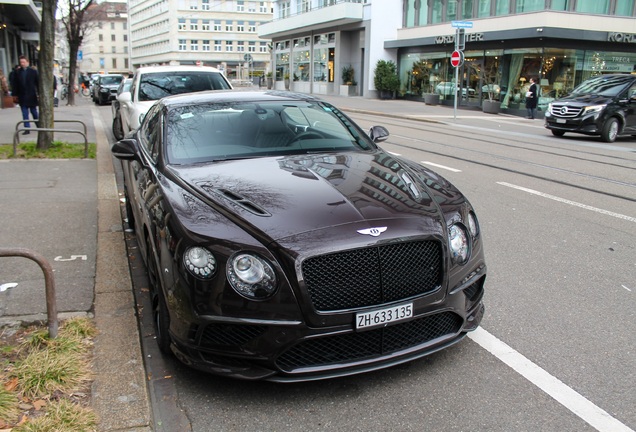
pixel 49 283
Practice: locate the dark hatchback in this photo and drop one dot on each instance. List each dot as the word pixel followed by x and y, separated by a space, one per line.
pixel 282 243
pixel 105 88
pixel 604 106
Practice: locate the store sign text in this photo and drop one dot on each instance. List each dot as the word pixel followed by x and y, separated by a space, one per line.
pixel 621 37
pixel 470 37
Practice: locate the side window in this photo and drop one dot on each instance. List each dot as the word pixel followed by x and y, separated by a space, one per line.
pixel 151 132
pixel 631 93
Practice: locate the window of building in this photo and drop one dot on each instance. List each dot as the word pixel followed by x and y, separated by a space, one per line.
pixel 251 47
pixel 240 46
pixel 409 16
pixel 194 24
pixel 182 45
pixel 229 26
pixel 251 7
pixel 194 5
pixel 182 24
pixel 205 5
pixel 530 5
pixel 114 63
pixel 101 38
pixel 112 26
pixel 126 64
pixel 240 26
pixel 251 27
pixel 301 65
pixel 240 6
pixel 262 7
pixel 282 66
pixel 560 5
pixel 194 45
pixel 112 38
pixel 624 7
pixel 217 25
pixel 205 25
pixel 99 25
pixel 229 46
pixel 437 11
pixel 483 9
pixel 284 9
pixel 217 46
pixel 600 7
pixel 125 38
pixel 303 6
pixel 262 47
pixel 205 45
pixel 113 50
pixel 125 25
pixel 467 9
pixel 101 49
pixel 126 49
pixel 502 7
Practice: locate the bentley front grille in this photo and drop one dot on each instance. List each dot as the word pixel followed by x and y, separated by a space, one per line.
pixel 373 276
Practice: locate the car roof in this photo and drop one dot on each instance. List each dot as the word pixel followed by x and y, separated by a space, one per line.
pixel 214 96
pixel 181 68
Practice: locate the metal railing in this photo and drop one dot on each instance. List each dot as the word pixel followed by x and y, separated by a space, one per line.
pixel 49 283
pixel 16 134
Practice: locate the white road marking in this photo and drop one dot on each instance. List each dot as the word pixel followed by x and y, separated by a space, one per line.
pixel 7 286
pixel 72 258
pixel 569 398
pixel 626 288
pixel 441 166
pixel 573 203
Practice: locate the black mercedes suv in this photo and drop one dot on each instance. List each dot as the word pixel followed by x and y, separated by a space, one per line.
pixel 604 105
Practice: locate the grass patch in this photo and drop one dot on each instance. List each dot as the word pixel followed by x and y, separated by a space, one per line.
pixel 46 382
pixel 57 150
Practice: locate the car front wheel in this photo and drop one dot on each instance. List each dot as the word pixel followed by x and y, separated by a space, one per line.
pixel 610 130
pixel 118 130
pixel 557 133
pixel 160 316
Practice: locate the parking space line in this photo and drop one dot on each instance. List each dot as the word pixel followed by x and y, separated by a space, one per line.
pixel 572 203
pixel 593 415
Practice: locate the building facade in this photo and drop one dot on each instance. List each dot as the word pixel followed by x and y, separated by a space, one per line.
pixel 218 33
pixel 105 48
pixel 19 32
pixel 558 42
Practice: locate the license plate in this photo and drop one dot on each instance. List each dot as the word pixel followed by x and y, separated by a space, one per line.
pixel 561 120
pixel 382 317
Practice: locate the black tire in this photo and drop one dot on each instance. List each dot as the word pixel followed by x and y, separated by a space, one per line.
pixel 610 130
pixel 557 133
pixel 118 130
pixel 160 316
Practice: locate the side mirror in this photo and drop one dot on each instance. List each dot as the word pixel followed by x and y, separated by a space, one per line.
pixel 124 97
pixel 378 134
pixel 126 149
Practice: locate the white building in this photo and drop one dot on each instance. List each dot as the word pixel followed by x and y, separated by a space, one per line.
pixel 219 33
pixel 559 42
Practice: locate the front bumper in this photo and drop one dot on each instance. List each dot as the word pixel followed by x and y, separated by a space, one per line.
pixel 292 352
pixel 588 125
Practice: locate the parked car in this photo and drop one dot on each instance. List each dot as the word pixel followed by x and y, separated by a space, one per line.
pixel 282 243
pixel 105 88
pixel 124 87
pixel 446 88
pixel 154 82
pixel 604 106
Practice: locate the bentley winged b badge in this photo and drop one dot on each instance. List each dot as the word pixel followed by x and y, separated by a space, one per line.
pixel 375 231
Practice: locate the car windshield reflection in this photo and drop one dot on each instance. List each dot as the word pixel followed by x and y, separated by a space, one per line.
pixel 213 132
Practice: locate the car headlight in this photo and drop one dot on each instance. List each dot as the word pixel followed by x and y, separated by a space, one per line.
pixel 473 226
pixel 594 109
pixel 251 276
pixel 549 110
pixel 200 262
pixel 458 242
pixel 103 90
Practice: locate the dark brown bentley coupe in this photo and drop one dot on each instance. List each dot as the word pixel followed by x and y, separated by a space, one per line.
pixel 283 244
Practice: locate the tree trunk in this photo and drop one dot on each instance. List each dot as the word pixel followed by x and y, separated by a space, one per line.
pixel 45 73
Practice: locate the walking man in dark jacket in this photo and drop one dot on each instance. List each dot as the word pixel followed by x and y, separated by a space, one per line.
pixel 25 87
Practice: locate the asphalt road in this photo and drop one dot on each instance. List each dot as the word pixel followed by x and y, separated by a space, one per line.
pixel 556 350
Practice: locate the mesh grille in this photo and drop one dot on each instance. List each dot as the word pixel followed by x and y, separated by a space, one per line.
pixel 379 342
pixel 372 276
pixel 230 335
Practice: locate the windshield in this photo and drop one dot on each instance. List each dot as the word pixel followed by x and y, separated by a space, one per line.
pixel 222 131
pixel 603 85
pixel 154 86
pixel 108 80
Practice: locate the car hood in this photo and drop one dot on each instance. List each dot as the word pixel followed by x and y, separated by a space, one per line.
pixel 109 86
pixel 286 196
pixel 587 99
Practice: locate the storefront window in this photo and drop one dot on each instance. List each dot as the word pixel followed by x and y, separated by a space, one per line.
pixel 624 7
pixel 604 62
pixel 503 7
pixel 321 65
pixel 484 9
pixel 519 65
pixel 282 65
pixel 530 5
pixel 301 65
pixel 593 6
pixel 422 73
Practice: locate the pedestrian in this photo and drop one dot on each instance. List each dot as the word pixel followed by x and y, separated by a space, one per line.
pixel 531 99
pixel 25 87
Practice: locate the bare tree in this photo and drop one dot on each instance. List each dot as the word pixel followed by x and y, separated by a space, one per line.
pixel 77 23
pixel 45 73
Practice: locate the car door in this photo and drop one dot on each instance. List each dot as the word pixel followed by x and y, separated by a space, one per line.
pixel 630 110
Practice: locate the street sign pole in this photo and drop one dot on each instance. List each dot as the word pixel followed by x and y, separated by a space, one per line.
pixel 456 75
pixel 460 44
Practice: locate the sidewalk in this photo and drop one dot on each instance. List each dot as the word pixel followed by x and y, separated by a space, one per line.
pixel 69 211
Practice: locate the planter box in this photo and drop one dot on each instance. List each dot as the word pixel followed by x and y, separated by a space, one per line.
pixel 431 99
pixel 385 94
pixel 491 107
pixel 348 90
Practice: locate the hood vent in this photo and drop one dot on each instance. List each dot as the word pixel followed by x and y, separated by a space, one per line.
pixel 242 202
